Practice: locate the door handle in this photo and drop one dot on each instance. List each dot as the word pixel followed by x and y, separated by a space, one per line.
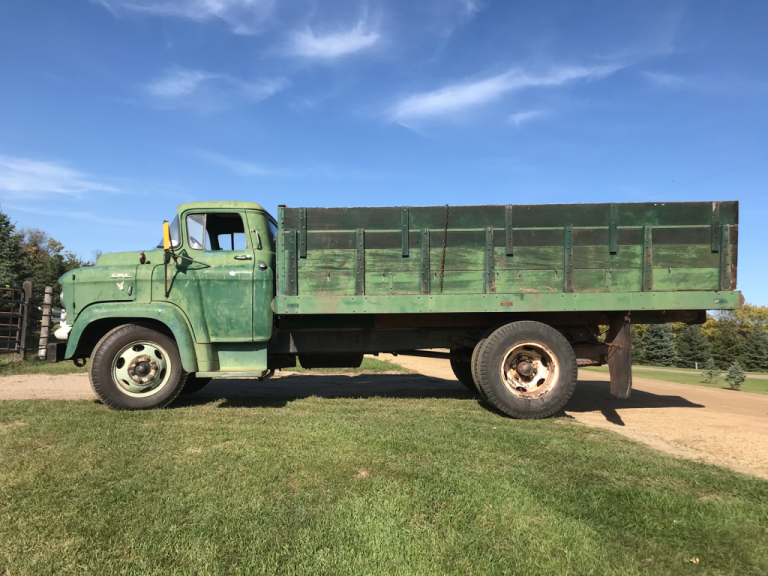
pixel 243 257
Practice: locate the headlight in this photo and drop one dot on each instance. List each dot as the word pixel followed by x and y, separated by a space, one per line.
pixel 61 299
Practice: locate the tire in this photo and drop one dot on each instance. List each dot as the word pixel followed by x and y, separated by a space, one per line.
pixel 136 368
pixel 194 384
pixel 527 370
pixel 476 368
pixel 463 372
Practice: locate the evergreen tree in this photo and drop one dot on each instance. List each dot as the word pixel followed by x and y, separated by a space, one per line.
pixel 638 352
pixel 659 345
pixel 726 345
pixel 756 349
pixel 692 347
pixel 12 258
pixel 735 376
pixel 710 372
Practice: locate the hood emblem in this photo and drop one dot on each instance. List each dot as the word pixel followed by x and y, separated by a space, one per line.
pixel 120 285
pixel 121 275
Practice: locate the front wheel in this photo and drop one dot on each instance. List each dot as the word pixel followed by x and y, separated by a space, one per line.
pixel 527 370
pixel 136 368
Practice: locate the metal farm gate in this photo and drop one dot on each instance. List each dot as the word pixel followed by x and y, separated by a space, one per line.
pixel 15 305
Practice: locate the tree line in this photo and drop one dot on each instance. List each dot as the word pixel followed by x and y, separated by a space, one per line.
pixel 726 337
pixel 31 253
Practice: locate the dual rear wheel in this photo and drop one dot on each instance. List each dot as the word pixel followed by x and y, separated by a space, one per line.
pixel 526 370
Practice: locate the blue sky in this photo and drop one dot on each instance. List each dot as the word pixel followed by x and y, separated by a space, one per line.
pixel 112 112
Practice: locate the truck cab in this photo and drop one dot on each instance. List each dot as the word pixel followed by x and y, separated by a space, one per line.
pixel 211 293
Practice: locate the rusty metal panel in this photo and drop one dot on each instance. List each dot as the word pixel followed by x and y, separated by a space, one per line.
pixel 302 232
pixel 425 261
pixel 360 263
pixel 613 232
pixel 568 259
pixel 404 230
pixel 490 280
pixel 647 258
pixel 715 226
pixel 619 342
pixel 509 230
pixel 291 266
pixel 725 258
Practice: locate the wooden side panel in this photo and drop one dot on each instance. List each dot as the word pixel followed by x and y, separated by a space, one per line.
pixel 694 248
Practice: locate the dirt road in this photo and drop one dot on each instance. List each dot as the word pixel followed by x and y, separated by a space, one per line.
pixel 717 426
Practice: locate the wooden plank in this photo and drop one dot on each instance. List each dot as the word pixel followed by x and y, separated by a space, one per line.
pixel 425 284
pixel 336 283
pixel 490 280
pixel 715 226
pixel 302 232
pixel 509 231
pixel 360 263
pixel 291 270
pixel 589 280
pixel 392 283
pixel 405 229
pixel 626 280
pixel 538 215
pixel 599 257
pixel 568 259
pixel 648 258
pixel 683 256
pixel 392 239
pixel 725 258
pixel 529 281
pixel 686 278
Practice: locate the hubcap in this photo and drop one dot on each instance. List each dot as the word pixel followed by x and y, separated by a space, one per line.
pixel 529 370
pixel 141 369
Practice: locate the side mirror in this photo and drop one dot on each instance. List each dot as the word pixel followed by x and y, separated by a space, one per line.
pixel 166 235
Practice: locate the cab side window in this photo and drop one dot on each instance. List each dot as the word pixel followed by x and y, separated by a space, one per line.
pixel 216 232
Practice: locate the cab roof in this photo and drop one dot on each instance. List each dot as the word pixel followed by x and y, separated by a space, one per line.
pixel 218 204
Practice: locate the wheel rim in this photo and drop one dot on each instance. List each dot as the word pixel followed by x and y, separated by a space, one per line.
pixel 529 370
pixel 141 369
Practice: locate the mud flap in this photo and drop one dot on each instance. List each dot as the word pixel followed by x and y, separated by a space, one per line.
pixel 619 342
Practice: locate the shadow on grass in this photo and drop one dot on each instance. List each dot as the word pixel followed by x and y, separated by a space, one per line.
pixel 276 393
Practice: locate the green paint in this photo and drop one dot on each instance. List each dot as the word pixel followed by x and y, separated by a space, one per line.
pixel 220 308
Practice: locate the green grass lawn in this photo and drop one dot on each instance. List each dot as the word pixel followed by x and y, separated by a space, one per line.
pixel 755 385
pixel 11 367
pixel 369 366
pixel 389 485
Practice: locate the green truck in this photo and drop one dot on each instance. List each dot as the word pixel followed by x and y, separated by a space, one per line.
pixel 516 297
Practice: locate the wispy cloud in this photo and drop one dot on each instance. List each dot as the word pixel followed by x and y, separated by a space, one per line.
pixel 207 92
pixel 241 167
pixel 308 44
pixel 83 216
pixel 456 98
pixel 242 16
pixel 25 178
pixel 523 117
pixel 667 80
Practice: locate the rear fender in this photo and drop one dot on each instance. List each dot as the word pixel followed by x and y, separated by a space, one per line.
pixel 169 315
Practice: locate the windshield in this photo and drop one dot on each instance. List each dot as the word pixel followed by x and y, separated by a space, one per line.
pixel 174 234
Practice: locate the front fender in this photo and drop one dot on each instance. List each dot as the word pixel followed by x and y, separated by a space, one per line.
pixel 167 314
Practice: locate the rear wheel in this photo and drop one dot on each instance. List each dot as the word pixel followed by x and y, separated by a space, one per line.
pixel 462 369
pixel 527 370
pixel 136 368
pixel 194 384
pixel 476 367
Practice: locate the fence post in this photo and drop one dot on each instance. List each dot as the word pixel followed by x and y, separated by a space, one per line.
pixel 25 306
pixel 45 325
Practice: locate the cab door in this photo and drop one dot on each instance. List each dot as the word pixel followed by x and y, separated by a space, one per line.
pixel 220 262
